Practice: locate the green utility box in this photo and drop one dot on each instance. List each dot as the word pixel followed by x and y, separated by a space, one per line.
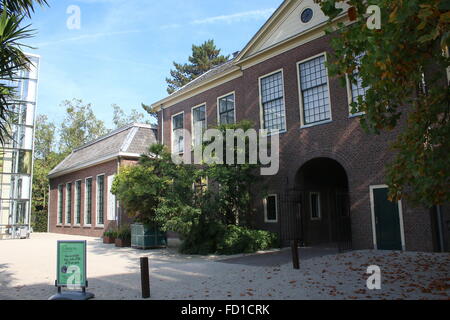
pixel 147 237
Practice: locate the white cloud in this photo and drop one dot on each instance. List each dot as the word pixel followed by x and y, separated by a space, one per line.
pixel 91 36
pixel 236 17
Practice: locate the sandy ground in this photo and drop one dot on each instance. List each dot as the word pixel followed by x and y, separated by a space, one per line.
pixel 27 271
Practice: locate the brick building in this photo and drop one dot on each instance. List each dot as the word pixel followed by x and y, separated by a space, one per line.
pixel 80 199
pixel 331 184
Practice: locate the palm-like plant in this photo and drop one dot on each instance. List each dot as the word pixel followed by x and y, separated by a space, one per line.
pixel 12 58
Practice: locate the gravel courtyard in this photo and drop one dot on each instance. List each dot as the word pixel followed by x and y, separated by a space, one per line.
pixel 27 271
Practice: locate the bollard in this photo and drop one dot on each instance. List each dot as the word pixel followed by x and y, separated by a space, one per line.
pixel 295 258
pixel 145 278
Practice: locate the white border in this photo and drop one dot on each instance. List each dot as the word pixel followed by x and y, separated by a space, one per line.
pixel 319 218
pixel 58 206
pixel 85 206
pixel 192 121
pixel 300 92
pixel 266 220
pixel 75 203
pixel 218 106
pixel 100 225
pixel 66 204
pixel 261 111
pixel 171 132
pixel 374 228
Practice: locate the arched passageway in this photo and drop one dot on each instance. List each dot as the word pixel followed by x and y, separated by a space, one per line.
pixel 325 212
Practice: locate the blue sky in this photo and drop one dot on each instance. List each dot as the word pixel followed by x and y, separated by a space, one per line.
pixel 124 49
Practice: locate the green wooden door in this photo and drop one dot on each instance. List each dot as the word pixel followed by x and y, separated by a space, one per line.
pixel 387 221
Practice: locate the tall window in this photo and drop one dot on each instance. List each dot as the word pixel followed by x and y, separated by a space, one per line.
pixel 198 124
pixel 100 200
pixel 314 91
pixel 78 202
pixel 314 198
pixel 357 88
pixel 272 99
pixel 69 203
pixel 60 203
pixel 88 202
pixel 270 208
pixel 177 133
pixel 227 109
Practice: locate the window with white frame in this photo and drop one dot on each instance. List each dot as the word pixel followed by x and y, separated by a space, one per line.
pixel 314 93
pixel 177 133
pixel 60 203
pixel 68 203
pixel 271 208
pixel 198 124
pixel 88 202
pixel 314 202
pixel 272 100
pixel 227 110
pixel 100 204
pixel 78 202
pixel 357 88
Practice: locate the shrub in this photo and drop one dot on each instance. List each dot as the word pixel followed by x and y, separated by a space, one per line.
pixel 214 237
pixel 124 233
pixel 39 221
pixel 110 234
pixel 243 240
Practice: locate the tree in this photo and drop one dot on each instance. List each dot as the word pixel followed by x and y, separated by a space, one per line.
pixel 204 57
pixel 12 58
pixel 157 190
pixel 403 66
pixel 79 126
pixel 120 119
pixel 45 160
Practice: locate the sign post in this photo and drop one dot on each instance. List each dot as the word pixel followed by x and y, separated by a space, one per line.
pixel 71 271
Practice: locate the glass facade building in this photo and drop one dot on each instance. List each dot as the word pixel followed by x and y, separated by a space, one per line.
pixel 16 157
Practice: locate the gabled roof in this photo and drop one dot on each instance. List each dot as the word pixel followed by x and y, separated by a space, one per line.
pixel 129 141
pixel 283 27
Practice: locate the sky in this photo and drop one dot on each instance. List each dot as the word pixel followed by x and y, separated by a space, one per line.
pixel 123 49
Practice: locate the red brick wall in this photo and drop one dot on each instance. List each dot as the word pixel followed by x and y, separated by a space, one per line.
pixel 363 156
pixel 109 168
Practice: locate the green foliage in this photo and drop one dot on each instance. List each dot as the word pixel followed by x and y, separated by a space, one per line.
pixel 243 240
pixel 214 237
pixel 404 68
pixel 111 234
pixel 204 57
pixel 157 190
pixel 234 196
pixel 39 221
pixel 120 119
pixel 124 233
pixel 79 126
pixel 12 59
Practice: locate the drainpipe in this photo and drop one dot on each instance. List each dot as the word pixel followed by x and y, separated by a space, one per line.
pixel 440 229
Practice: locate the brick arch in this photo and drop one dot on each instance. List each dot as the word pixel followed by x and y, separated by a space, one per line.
pixel 343 159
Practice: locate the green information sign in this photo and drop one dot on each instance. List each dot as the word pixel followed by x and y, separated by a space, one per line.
pixel 71 264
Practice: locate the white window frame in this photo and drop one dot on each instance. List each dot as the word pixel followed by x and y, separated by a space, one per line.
pixel 218 106
pixel 311 207
pixel 97 199
pixel 374 227
pixel 300 92
pixel 171 133
pixel 76 199
pixel 192 122
pixel 110 211
pixel 350 99
pixel 86 201
pixel 266 218
pixel 60 200
pixel 66 204
pixel 261 107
